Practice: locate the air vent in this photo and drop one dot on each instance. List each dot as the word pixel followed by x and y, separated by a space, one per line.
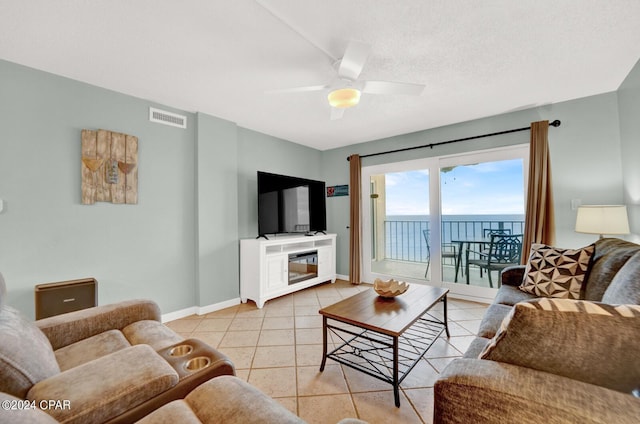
pixel 167 118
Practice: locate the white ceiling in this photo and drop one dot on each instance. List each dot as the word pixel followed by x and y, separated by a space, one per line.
pixel 476 58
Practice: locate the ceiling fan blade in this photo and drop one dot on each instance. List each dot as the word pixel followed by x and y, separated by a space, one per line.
pixel 353 60
pixel 337 113
pixel 297 89
pixel 388 87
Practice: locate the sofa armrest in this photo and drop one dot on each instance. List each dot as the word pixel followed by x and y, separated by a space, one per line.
pixel 481 391
pixel 99 390
pixel 63 330
pixel 512 275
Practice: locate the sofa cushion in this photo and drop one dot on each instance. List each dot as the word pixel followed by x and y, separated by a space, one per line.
pixel 625 286
pixel 555 272
pixel 611 254
pixel 476 347
pixel 153 333
pixel 510 295
pixel 235 402
pixel 26 356
pixel 91 348
pixel 492 320
pixel 108 386
pixel 588 341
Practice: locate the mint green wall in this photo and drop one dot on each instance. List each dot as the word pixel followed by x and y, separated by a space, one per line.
pixel 261 152
pixel 217 210
pixel 46 234
pixel 629 106
pixel 585 158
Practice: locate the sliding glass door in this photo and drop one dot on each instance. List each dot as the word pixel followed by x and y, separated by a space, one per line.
pixel 425 220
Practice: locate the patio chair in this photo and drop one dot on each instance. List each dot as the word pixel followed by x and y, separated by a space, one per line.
pixel 486 234
pixel 504 250
pixel 447 251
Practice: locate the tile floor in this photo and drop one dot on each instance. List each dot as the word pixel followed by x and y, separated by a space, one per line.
pixel 279 349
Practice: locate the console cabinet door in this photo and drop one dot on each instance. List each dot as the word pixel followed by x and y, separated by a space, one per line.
pixel 325 263
pixel 277 271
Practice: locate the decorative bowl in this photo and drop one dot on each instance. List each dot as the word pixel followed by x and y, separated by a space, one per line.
pixel 391 288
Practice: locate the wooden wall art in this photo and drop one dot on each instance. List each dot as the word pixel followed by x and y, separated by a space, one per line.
pixel 109 167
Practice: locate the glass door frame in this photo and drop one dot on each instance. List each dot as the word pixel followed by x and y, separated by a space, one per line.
pixel 433 165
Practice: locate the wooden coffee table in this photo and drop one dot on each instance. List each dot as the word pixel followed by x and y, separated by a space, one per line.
pixel 384 338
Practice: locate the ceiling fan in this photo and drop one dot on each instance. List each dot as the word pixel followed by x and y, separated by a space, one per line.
pixel 345 90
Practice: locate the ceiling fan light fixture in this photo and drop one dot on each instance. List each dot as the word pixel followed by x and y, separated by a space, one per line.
pixel 344 97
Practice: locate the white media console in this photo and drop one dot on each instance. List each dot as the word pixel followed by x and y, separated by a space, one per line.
pixel 285 264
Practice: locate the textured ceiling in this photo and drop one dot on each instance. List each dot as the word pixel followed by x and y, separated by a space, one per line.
pixel 219 57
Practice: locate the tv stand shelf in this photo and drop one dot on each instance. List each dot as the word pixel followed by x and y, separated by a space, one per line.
pixel 264 265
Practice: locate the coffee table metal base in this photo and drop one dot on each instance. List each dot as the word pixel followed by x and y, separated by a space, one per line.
pixel 384 357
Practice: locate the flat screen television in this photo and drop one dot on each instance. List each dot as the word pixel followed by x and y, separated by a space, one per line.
pixel 290 205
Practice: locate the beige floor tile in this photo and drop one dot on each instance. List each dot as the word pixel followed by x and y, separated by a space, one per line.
pixel 326 408
pixel 379 408
pixel 472 325
pixel 223 313
pixel 456 329
pixel 277 323
pixel 461 314
pixel 422 375
pixel 280 301
pixel 274 356
pixel 440 363
pixel 309 355
pixel 461 343
pixel 275 382
pixel 442 349
pixel 307 301
pixel 280 311
pixel 250 311
pixel 242 323
pixel 308 321
pixel 183 325
pixel 218 324
pixel 242 357
pixel 301 310
pixel 239 339
pixel 212 338
pixel 313 382
pixel 422 400
pixel 277 338
pixel 361 382
pixel 308 336
pixel 328 301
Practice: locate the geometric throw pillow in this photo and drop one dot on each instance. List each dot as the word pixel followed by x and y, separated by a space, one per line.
pixel 554 272
pixel 593 342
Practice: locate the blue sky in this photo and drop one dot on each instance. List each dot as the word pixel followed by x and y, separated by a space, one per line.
pixel 487 188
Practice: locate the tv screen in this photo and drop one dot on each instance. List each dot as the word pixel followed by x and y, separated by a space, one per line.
pixel 290 204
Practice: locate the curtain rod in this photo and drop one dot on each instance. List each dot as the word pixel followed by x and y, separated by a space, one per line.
pixel 555 123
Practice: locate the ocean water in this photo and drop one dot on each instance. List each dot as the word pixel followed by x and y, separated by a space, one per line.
pixel 404 236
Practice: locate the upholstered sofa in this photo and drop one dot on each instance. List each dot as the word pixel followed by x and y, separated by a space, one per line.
pixel 540 359
pixel 114 363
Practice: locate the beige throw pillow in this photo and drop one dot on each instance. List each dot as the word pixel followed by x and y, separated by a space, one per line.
pixel 587 341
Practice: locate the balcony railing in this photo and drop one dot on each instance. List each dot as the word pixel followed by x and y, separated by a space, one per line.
pixel 404 240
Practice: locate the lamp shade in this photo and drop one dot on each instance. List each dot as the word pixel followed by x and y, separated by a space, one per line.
pixel 602 219
pixel 344 97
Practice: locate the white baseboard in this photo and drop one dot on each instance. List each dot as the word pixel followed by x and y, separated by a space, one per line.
pixel 172 316
pixel 203 310
pixel 342 277
pixel 199 310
